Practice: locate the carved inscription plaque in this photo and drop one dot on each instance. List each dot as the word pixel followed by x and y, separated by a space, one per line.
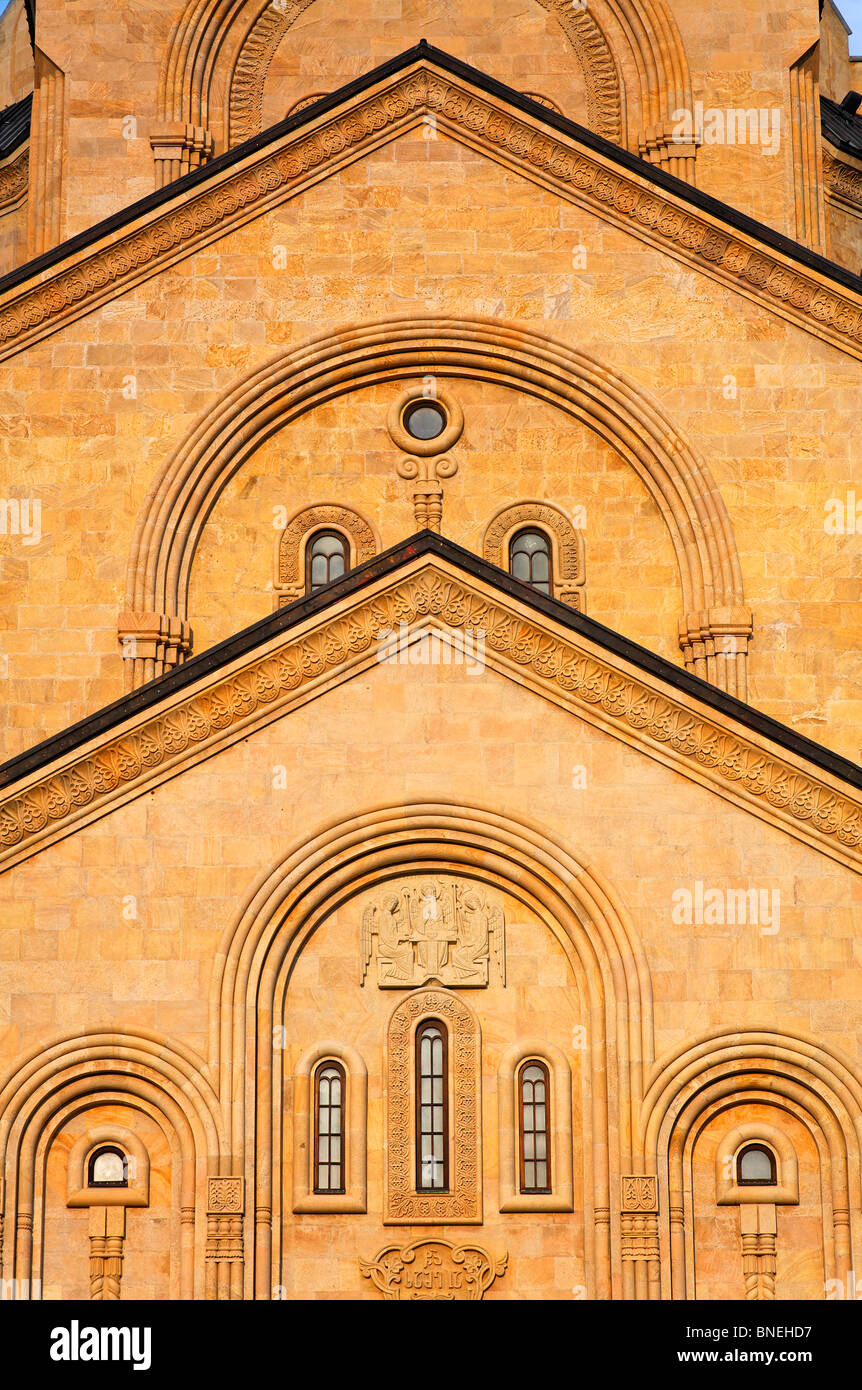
pixel 433 1271
pixel 439 929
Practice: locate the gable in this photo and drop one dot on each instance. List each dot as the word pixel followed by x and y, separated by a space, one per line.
pixel 299 654
pixel 425 86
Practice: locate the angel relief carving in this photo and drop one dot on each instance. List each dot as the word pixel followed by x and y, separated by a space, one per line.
pixel 433 929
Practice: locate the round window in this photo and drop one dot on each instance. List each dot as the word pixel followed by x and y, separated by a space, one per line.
pixel 424 419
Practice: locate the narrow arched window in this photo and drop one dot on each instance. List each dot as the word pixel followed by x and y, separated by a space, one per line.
pixel 325 559
pixel 530 560
pixel 534 1127
pixel 329 1127
pixel 107 1168
pixel 432 1108
pixel 755 1166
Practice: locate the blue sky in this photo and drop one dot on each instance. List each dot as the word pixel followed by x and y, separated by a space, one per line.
pixel 852 12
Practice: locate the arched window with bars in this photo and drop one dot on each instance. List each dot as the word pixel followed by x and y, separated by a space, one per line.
pixel 326 559
pixel 329 1127
pixel 432 1107
pixel 534 1127
pixel 530 559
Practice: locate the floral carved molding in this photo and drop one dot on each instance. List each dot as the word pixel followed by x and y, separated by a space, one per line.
pixel 843 182
pixel 520 141
pixel 14 180
pixel 568 668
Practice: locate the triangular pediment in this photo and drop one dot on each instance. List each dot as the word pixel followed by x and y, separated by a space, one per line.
pixel 422 85
pixel 317 643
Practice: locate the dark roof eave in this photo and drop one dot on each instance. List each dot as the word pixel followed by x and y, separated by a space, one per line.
pixel 843 129
pixel 723 212
pixel 15 125
pixel 423 543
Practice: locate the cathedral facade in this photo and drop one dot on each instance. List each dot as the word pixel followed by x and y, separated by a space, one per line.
pixel 431 654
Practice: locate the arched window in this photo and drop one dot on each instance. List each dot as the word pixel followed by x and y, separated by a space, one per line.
pixel 325 559
pixel 432 1108
pixel 107 1168
pixel 755 1166
pixel 530 560
pixel 329 1127
pixel 534 1127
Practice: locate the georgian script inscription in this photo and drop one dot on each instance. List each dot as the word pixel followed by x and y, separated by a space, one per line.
pixel 433 929
pixel 433 1271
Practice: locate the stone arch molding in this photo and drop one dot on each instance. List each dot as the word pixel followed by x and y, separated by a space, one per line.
pixel 258 952
pixel 214 70
pixel 135 1070
pixel 791 1074
pixel 715 624
pixel 603 89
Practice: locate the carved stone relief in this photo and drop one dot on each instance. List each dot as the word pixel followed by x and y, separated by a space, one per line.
pixel 439 929
pixel 433 1271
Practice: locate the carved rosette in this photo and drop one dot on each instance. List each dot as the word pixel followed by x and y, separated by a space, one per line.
pixel 433 1271
pixel 463 1203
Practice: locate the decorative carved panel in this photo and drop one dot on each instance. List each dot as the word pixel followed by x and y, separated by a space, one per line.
pixel 224 1195
pixel 436 929
pixel 640 1193
pixel 463 1202
pixel 433 1271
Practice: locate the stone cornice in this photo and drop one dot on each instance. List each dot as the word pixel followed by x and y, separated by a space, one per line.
pixel 843 183
pixel 553 660
pixel 14 180
pixel 547 149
